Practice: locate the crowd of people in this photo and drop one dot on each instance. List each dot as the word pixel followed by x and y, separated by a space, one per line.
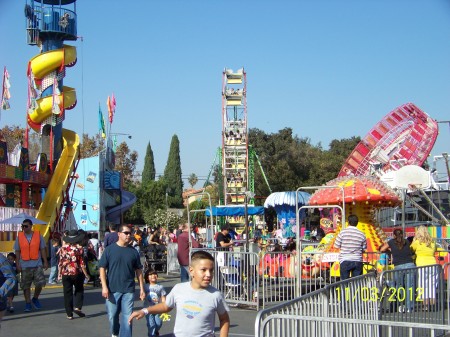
pixel 118 261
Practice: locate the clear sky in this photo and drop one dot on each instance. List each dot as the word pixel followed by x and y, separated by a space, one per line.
pixel 327 69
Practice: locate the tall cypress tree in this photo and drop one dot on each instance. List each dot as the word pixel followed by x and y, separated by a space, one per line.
pixel 172 175
pixel 149 172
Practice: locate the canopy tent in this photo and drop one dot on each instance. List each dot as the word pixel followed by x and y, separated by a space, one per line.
pixel 235 210
pixel 285 204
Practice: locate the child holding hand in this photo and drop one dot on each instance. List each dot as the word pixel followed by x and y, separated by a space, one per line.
pixel 154 294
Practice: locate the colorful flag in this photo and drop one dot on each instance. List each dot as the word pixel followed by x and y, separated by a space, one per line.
pixel 101 122
pixel 5 91
pixel 115 143
pixel 111 103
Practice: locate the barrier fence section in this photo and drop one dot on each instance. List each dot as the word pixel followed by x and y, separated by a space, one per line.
pixel 335 310
pixel 236 276
pixel 284 278
pixel 172 260
pixel 346 308
pixel 417 295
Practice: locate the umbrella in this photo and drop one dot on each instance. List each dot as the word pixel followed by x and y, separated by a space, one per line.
pixel 19 218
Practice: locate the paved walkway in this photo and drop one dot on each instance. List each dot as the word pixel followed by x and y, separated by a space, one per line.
pixel 51 320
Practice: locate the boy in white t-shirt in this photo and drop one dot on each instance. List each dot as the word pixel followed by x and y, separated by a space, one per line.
pixel 196 301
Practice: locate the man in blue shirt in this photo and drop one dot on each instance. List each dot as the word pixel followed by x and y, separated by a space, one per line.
pixel 118 266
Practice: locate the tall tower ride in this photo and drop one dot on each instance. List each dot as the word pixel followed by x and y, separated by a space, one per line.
pixel 49 23
pixel 235 150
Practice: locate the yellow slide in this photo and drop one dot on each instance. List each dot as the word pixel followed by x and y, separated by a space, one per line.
pixel 43 64
pixel 60 179
pixel 44 104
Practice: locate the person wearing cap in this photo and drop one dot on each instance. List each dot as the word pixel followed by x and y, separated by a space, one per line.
pixel 30 251
pixel 72 271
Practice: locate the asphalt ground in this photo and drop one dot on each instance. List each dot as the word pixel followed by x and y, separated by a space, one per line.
pixel 51 320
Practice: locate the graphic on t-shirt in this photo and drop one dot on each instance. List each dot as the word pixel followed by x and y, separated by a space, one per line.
pixel 152 298
pixel 191 309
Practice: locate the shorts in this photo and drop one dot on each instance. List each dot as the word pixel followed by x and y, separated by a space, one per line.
pixel 32 275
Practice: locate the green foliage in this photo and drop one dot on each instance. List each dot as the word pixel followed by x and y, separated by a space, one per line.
pixel 162 217
pixel 192 179
pixel 172 175
pixel 149 171
pixel 152 198
pixel 290 162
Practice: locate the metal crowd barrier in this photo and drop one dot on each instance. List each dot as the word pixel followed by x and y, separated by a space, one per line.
pixel 236 276
pixel 172 260
pixel 343 302
pixel 416 295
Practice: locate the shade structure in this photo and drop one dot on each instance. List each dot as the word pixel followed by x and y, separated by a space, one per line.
pixel 235 210
pixel 19 218
pixel 359 189
pixel 285 204
pixel 287 199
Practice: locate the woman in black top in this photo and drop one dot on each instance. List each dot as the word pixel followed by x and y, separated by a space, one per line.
pixel 405 273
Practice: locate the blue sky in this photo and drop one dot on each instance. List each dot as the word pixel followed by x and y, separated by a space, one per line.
pixel 328 69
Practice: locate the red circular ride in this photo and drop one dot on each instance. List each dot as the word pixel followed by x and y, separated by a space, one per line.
pixel 405 136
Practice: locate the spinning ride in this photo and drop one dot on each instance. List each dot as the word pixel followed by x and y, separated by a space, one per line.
pixel 405 136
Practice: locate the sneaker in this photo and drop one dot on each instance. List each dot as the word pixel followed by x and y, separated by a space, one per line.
pixel 27 307
pixel 51 283
pixel 36 303
pixel 11 309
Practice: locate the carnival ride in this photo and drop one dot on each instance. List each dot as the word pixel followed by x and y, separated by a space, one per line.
pixel 401 141
pixel 49 23
pixel 234 137
pixel 405 136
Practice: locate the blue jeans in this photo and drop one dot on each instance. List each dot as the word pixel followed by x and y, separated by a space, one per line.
pixel 184 273
pixel 120 303
pixel 154 323
pixel 405 283
pixel 53 274
pixel 353 267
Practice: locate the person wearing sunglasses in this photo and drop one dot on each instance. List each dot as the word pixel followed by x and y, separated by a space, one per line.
pixel 119 264
pixel 31 262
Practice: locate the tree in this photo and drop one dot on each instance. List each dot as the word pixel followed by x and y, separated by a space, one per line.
pixel 91 146
pixel 14 135
pixel 290 161
pixel 153 197
pixel 126 163
pixel 172 174
pixel 192 179
pixel 149 171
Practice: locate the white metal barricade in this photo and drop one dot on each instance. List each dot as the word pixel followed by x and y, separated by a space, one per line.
pixel 345 299
pixel 236 276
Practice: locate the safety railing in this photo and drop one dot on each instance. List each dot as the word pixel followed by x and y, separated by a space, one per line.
pixel 416 295
pixel 344 299
pixel 236 276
